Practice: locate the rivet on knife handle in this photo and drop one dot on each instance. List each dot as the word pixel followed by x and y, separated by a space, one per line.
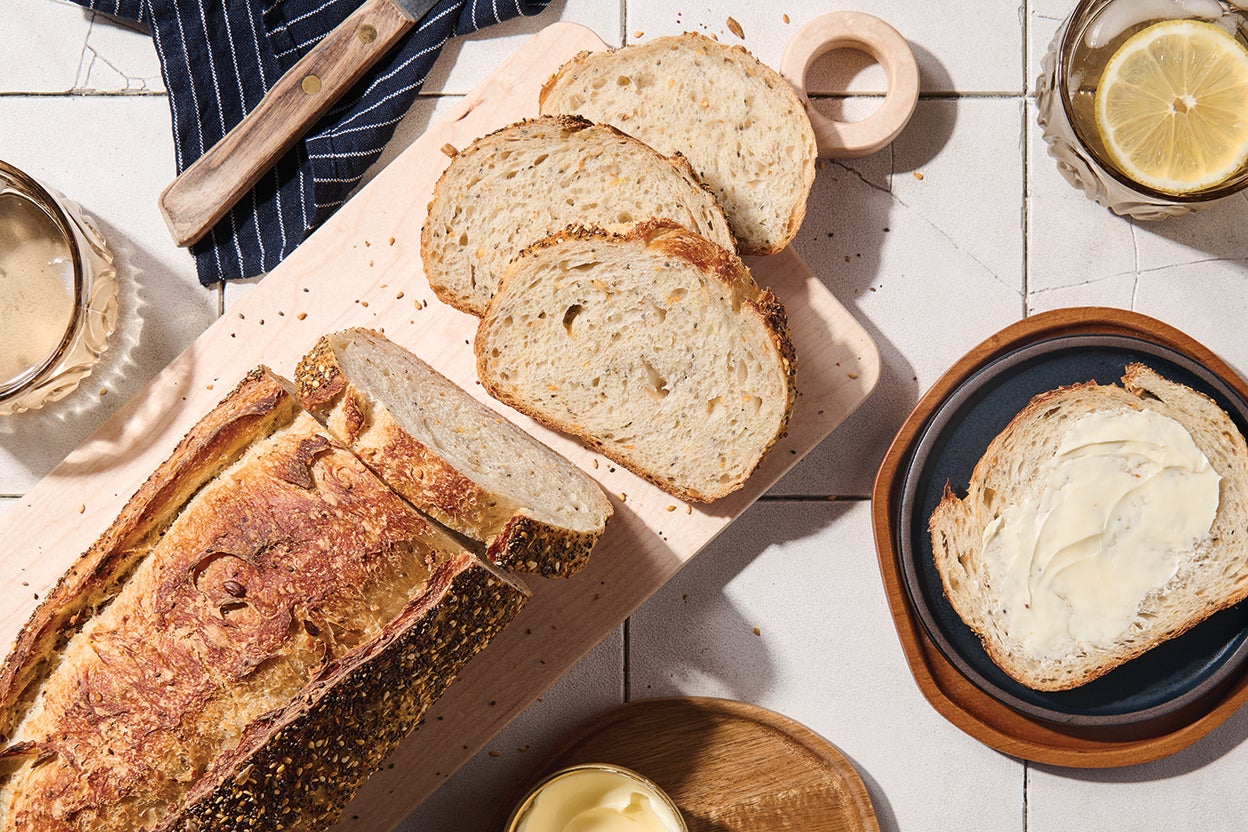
pixel 205 191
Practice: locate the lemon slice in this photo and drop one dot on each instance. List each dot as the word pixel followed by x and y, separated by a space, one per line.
pixel 1172 106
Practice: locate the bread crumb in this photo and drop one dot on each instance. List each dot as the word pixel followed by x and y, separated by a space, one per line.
pixel 594 462
pixel 209 386
pixel 918 175
pixel 399 296
pixel 418 304
pixel 671 508
pixel 103 391
pixel 757 632
pixel 82 508
pixel 301 316
pixel 364 303
pixel 853 375
pixel 785 18
pixel 449 150
pixel 391 241
pixel 494 754
pixel 688 509
pixel 367 244
pixel 639 34
pixel 623 497
pixel 735 28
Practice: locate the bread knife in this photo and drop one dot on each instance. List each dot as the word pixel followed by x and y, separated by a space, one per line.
pixel 195 201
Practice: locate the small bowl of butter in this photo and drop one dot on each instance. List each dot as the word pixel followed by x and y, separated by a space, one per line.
pixel 596 797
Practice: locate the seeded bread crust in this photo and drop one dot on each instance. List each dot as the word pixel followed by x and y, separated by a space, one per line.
pixel 1213 578
pixel 255 472
pixel 528 180
pixel 364 421
pixel 739 123
pixel 758 314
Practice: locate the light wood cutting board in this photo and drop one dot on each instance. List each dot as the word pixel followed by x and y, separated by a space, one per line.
pixel 362 268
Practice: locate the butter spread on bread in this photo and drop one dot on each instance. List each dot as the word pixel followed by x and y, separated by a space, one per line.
pixel 1102 521
pixel 655 347
pixel 244 645
pixel 451 456
pixel 737 120
pixel 527 181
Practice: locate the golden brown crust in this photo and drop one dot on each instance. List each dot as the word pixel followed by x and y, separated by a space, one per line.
pixel 300 767
pixel 674 239
pixel 256 577
pixel 213 444
pixel 570 124
pixel 752 66
pixel 513 540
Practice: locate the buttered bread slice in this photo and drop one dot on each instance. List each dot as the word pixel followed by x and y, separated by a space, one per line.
pixel 655 347
pixel 507 190
pixel 1101 522
pixel 737 120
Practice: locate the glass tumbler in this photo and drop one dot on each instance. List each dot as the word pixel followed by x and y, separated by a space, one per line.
pixel 58 293
pixel 1066 96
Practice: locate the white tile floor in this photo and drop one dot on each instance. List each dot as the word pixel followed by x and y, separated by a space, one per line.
pixel 960 228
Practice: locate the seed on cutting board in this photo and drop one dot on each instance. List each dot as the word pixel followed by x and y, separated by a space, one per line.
pixel 735 28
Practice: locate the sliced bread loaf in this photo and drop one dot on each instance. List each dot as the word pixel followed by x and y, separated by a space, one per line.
pixel 244 645
pixel 452 456
pixel 738 121
pixel 527 181
pixel 1102 521
pixel 655 347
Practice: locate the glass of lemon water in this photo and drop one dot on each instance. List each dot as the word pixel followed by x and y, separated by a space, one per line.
pixel 1144 103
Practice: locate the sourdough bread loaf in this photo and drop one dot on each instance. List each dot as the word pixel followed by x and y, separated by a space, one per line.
pixel 524 182
pixel 244 645
pixel 654 347
pixel 738 122
pixel 1093 597
pixel 452 456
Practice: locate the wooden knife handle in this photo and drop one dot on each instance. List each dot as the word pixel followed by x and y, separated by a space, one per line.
pixel 204 192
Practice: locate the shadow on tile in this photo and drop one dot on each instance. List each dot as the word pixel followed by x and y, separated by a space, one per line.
pixel 714 633
pixel 527 26
pixel 1221 741
pixel 1218 230
pixel 141 346
pixel 843 249
pixel 879 800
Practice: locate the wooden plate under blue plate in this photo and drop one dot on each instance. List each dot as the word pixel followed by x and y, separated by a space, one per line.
pixel 1127 721
pixel 1163 681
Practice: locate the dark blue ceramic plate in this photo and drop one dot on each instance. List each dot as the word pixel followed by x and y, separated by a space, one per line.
pixel 1167 678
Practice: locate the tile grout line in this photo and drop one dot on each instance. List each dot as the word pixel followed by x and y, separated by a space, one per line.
pixel 627 680
pixel 1026 148
pixel 1026 795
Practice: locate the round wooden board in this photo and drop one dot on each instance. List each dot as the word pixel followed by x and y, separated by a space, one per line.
pixel 730 766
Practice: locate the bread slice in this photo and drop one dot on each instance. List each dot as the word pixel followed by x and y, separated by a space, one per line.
pixel 738 121
pixel 525 182
pixel 244 645
pixel 1085 641
pixel 655 347
pixel 452 456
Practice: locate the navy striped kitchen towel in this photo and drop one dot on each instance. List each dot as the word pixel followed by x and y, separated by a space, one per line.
pixel 219 57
